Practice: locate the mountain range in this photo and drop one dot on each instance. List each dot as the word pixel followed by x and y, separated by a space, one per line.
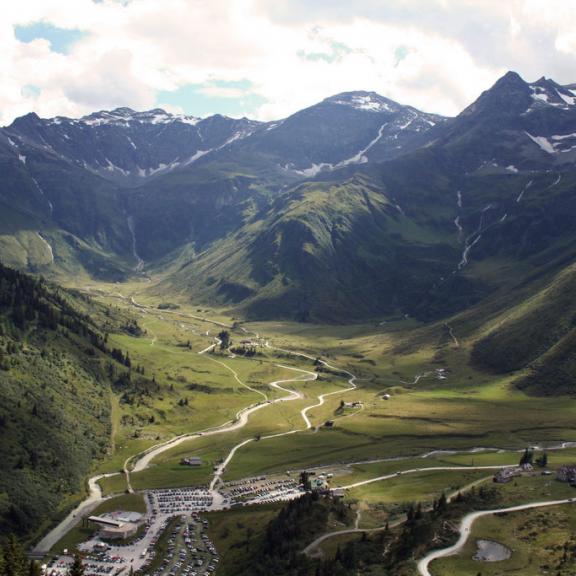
pixel 355 208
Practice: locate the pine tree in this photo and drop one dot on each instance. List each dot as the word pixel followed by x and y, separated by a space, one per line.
pixel 34 569
pixel 543 460
pixel 15 562
pixel 225 341
pixel 77 568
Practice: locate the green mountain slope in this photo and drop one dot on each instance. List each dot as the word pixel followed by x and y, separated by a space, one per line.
pixel 54 399
pixel 58 218
pixel 322 251
pixel 538 333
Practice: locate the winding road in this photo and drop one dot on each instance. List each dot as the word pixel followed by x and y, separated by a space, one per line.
pixel 303 412
pixel 465 529
pixel 142 460
pixel 307 376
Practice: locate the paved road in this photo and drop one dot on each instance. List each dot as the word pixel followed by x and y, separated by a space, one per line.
pixel 292 395
pixel 235 374
pixel 466 527
pixel 430 469
pixel 86 506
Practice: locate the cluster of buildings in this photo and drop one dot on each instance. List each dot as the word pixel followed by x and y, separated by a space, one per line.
pixel 507 474
pixel 565 473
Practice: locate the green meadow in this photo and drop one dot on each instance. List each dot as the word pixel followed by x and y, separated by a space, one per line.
pixel 436 401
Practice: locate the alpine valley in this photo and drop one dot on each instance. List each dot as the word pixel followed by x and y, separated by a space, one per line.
pixel 357 292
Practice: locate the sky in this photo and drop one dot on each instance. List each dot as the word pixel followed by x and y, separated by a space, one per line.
pixel 266 59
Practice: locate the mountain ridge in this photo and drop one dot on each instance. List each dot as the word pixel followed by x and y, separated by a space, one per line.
pixel 356 189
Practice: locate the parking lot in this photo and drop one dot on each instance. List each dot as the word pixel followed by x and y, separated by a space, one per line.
pixel 182 500
pixel 259 490
pixel 189 550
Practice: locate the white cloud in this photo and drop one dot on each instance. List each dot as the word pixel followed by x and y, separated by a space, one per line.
pixel 453 49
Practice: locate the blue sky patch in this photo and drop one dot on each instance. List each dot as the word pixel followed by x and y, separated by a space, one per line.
pixel 60 39
pixel 400 54
pixel 336 51
pixel 233 98
pixel 30 91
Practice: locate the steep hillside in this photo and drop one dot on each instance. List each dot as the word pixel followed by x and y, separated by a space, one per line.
pixel 100 194
pixel 54 398
pixel 55 216
pixel 514 126
pixel 539 333
pixel 325 250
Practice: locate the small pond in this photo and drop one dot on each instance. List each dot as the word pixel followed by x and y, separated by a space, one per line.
pixel 490 551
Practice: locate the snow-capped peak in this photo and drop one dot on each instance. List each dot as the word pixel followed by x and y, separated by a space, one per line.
pixel 369 101
pixel 547 92
pixel 126 116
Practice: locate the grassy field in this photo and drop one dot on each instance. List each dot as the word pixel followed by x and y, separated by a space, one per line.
pixel 456 408
pixel 462 410
pixel 437 401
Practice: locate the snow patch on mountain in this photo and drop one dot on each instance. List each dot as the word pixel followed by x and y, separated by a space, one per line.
pixel 539 94
pixel 523 191
pixel 369 101
pixel 360 157
pixel 542 142
pixel 548 93
pixel 198 154
pixel 240 135
pixel 274 125
pixel 563 136
pixel 570 100
pixel 314 169
pixel 48 247
pixel 413 117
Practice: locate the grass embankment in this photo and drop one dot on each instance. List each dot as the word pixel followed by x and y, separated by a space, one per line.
pixel 236 533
